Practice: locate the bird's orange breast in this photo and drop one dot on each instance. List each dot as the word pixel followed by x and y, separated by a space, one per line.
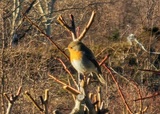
pixel 75 55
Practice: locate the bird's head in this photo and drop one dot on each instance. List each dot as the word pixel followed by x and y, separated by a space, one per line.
pixel 75 46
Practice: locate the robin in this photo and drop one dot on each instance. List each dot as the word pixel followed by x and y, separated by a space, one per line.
pixel 83 60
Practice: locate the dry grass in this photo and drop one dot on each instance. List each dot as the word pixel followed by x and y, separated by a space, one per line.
pixel 28 63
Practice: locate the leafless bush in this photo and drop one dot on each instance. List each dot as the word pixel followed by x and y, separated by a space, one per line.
pixel 28 63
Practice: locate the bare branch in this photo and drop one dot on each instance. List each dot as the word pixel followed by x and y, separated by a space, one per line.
pixel 78 31
pixel 46 97
pixel 29 8
pixel 119 90
pixel 72 90
pixel 79 98
pixel 71 29
pixel 60 82
pixel 72 21
pixel 33 101
pixel 148 70
pixel 148 97
pixel 44 101
pixel 105 58
pixel 101 52
pixel 63 23
pixel 140 95
pixel 66 69
pixel 48 37
pixel 99 97
pixel 69 83
pixel 134 85
pixel 11 100
pixel 19 91
pixel 8 99
pixel 87 26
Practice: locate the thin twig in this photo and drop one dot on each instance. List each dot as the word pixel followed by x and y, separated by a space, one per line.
pixel 74 97
pixel 57 80
pixel 48 37
pixel 46 97
pixel 148 70
pixel 19 91
pixel 64 84
pixel 71 90
pixel 63 23
pixel 33 101
pixel 101 52
pixel 8 99
pixel 140 95
pixel 66 69
pixel 134 85
pixel 99 99
pixel 87 26
pixel 119 89
pixel 73 33
pixel 148 97
pixel 11 100
pixel 71 29
pixel 105 58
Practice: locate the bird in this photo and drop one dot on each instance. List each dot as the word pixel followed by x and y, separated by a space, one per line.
pixel 83 60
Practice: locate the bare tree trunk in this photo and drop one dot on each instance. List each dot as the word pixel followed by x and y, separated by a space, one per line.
pixel 46 11
pixel 15 22
pixel 15 14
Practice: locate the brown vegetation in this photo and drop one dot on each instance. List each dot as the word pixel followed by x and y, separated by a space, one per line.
pixel 131 72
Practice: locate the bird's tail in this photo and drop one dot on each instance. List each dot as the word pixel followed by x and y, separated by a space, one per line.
pixel 101 79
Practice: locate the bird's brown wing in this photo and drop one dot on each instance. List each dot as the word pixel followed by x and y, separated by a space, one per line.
pixel 88 53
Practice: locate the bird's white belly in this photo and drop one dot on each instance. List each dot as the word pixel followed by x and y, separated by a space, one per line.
pixel 80 67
